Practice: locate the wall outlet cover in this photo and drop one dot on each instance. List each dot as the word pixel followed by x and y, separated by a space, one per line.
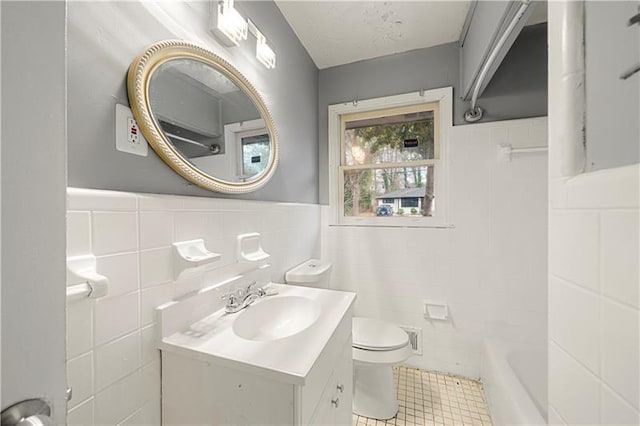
pixel 128 136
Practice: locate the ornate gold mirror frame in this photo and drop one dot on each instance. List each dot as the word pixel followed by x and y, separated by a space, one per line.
pixel 138 81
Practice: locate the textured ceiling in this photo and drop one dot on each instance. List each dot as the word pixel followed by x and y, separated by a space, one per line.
pixel 341 32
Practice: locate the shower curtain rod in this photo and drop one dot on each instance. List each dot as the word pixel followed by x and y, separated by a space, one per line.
pixel 475 113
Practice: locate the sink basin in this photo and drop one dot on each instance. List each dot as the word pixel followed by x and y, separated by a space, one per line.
pixel 276 318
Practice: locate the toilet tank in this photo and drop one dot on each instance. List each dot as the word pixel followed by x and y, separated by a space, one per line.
pixel 312 273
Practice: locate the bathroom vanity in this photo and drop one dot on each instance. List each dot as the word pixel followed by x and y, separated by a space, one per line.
pixel 285 360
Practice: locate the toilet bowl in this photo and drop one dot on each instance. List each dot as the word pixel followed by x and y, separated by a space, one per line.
pixel 377 345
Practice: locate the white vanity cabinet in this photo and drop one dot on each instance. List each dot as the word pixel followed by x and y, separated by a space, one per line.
pixel 335 404
pixel 200 389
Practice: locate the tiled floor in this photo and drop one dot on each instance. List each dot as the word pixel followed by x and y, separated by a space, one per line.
pixel 428 398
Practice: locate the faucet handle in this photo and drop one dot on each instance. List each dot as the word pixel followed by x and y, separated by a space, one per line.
pixel 253 287
pixel 231 298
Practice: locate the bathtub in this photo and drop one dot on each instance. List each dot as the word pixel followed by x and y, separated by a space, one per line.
pixel 515 383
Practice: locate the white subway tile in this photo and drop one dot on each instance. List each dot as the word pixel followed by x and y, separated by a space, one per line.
pixel 620 350
pixel 93 199
pixel 79 327
pixel 616 411
pixel 558 193
pixel 189 225
pixel 78 233
pixel 116 360
pixel 81 415
pixel 573 391
pixel 80 378
pixel 619 252
pixel 118 401
pixel 114 232
pixel 150 299
pixel 554 418
pixel 121 270
pixel 150 381
pixel 156 266
pixel 148 415
pixel 115 317
pixel 574 247
pixel 150 351
pixel 611 188
pixel 156 229
pixel 574 317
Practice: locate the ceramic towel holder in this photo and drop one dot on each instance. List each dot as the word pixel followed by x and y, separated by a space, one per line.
pixel 191 257
pixel 82 279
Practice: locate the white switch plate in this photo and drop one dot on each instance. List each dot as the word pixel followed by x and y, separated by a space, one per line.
pixel 128 136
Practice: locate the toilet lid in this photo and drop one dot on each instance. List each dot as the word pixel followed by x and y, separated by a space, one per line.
pixel 376 335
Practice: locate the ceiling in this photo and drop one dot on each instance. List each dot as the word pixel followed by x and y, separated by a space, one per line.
pixel 341 32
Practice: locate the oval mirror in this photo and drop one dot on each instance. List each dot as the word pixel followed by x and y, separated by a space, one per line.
pixel 203 117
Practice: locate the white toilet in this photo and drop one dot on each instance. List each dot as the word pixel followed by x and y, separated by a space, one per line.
pixel 377 345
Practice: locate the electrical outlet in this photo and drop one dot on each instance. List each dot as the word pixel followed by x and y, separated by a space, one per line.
pixel 128 136
pixel 132 131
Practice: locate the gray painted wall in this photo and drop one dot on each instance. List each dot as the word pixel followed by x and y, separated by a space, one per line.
pixel 104 37
pixel 33 203
pixel 518 88
pixel 612 47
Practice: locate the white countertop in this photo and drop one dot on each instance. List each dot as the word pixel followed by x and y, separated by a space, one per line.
pixel 288 359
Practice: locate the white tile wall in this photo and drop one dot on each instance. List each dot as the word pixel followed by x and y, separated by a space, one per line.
pixel 594 319
pixel 594 324
pixel 490 269
pixel 113 365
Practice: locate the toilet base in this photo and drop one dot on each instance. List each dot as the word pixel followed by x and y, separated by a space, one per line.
pixel 374 393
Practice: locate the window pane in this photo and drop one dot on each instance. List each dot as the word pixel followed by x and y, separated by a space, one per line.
pixel 392 139
pixel 410 202
pixel 398 192
pixel 255 154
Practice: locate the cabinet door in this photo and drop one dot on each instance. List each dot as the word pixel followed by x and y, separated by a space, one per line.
pixel 335 404
pixel 325 411
pixel 343 385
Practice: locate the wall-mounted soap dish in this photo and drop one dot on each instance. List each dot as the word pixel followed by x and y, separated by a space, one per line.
pixel 250 248
pixel 191 256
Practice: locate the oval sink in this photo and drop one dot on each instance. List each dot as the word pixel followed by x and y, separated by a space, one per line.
pixel 276 318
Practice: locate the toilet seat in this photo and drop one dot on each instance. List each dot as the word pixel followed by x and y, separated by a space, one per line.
pixel 394 356
pixel 375 335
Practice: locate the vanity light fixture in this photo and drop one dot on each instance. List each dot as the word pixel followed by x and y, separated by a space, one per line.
pixel 264 52
pixel 227 24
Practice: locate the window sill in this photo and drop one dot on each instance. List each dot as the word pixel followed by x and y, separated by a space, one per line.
pixel 392 225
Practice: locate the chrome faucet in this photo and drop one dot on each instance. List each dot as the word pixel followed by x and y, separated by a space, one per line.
pixel 242 297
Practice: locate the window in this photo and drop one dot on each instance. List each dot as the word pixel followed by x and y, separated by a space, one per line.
pixel 410 202
pixel 249 140
pixel 255 153
pixel 390 151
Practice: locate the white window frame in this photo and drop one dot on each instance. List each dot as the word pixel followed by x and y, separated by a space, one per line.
pixel 444 98
pixel 233 134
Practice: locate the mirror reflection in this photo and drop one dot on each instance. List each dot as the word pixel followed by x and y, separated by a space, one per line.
pixel 209 120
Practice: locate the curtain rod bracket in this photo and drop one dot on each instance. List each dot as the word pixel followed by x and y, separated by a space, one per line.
pixel 473 115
